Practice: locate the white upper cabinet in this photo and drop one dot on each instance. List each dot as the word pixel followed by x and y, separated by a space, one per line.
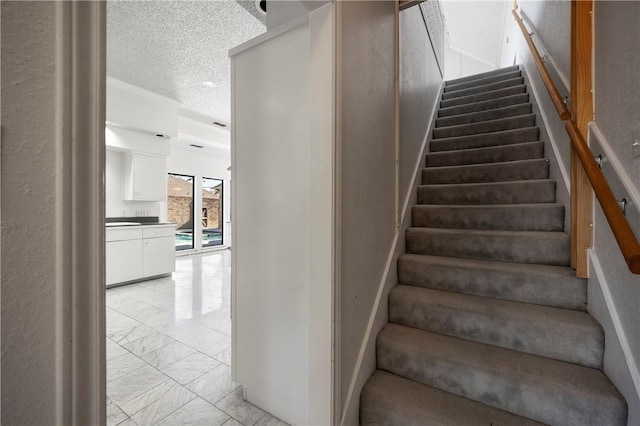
pixel 145 177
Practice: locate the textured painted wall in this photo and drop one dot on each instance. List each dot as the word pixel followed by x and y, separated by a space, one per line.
pixel 552 22
pixel 368 170
pixel 29 220
pixel 420 81
pixel 617 79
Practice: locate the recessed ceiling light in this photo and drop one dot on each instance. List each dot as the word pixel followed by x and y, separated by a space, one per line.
pixel 210 84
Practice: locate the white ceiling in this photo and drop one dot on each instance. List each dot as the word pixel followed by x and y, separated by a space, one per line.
pixel 171 47
pixel 476 28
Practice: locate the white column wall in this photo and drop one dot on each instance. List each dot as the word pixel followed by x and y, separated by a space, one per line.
pixel 282 100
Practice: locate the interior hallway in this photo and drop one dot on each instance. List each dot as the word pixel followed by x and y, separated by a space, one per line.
pixel 169 350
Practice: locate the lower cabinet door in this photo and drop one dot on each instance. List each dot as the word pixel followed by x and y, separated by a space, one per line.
pixel 159 256
pixel 123 261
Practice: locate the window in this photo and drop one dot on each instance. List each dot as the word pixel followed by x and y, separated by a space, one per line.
pixel 211 212
pixel 180 208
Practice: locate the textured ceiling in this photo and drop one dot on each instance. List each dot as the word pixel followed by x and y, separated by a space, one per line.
pixel 172 47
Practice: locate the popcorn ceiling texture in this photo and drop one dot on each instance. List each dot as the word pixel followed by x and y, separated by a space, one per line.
pixel 172 47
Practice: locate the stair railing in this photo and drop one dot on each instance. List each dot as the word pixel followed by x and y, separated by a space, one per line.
pixel 620 227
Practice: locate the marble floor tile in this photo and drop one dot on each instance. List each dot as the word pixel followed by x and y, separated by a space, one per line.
pixel 167 355
pixel 157 403
pixel 159 318
pixel 232 422
pixel 190 368
pixel 214 385
pixel 128 422
pixel 149 343
pixel 241 410
pixel 114 350
pixel 116 321
pixel 198 412
pixel 269 420
pixel 123 364
pixel 128 335
pixel 224 356
pixel 213 345
pixel 134 384
pixel 114 414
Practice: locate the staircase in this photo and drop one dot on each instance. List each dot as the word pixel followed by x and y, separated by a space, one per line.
pixel 488 325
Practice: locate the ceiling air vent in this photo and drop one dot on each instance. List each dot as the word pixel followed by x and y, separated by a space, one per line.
pixel 196 146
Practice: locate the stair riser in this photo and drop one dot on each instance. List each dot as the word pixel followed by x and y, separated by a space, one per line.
pixel 526 151
pixel 476 117
pixel 388 399
pixel 481 76
pixel 510 137
pixel 502 218
pixel 529 398
pixel 500 172
pixel 537 287
pixel 495 94
pixel 489 194
pixel 547 249
pixel 506 101
pixel 510 123
pixel 451 94
pixel 580 341
pixel 483 82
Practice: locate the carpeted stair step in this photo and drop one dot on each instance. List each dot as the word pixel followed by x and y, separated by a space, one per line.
pixel 481 75
pixel 387 399
pixel 492 114
pixel 520 282
pixel 522 327
pixel 535 387
pixel 507 217
pixel 488 172
pixel 490 126
pixel 485 140
pixel 518 192
pixel 497 154
pixel 483 81
pixel 549 248
pixel 521 98
pixel 494 94
pixel 451 94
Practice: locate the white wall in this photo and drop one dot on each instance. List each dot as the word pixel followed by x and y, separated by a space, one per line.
pixel 30 231
pixel 282 100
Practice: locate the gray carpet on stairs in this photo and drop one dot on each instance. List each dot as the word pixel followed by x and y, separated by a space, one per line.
pixel 488 325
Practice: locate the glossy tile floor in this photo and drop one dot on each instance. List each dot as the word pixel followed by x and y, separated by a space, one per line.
pixel 169 350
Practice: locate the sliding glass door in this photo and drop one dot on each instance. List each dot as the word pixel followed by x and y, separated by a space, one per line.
pixel 211 212
pixel 180 208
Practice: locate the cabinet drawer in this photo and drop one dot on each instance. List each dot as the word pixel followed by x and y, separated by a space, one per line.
pixel 123 234
pixel 158 231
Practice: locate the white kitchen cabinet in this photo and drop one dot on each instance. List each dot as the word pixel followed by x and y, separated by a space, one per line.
pixel 159 250
pixel 145 177
pixel 134 253
pixel 123 255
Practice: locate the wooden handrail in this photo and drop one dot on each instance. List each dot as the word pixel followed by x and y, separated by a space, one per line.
pixel 556 98
pixel 620 227
pixel 623 233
